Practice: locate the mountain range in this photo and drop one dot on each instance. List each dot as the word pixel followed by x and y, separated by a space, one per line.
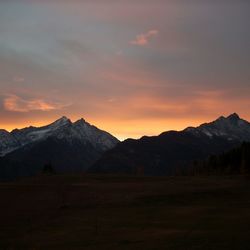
pixel 78 146
pixel 174 150
pixel 61 129
pixel 67 146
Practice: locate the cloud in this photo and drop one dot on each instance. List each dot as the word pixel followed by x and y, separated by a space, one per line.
pixel 143 39
pixel 15 103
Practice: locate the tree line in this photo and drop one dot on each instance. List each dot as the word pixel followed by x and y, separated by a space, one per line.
pixel 235 161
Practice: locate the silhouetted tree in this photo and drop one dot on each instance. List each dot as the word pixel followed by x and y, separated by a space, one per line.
pixel 48 169
pixel 236 161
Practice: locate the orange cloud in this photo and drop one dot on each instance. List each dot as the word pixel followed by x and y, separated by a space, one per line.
pixel 143 39
pixel 15 103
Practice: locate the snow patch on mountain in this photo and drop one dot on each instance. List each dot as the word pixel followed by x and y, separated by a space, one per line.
pixel 62 129
pixel 231 128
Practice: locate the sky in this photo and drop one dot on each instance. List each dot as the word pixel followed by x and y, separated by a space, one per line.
pixel 132 68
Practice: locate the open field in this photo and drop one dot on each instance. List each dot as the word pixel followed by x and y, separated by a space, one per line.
pixel 121 212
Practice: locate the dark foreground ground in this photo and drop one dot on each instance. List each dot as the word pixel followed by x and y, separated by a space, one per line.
pixel 112 212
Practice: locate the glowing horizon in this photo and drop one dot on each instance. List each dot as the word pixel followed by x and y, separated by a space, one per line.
pixel 120 70
pixel 128 130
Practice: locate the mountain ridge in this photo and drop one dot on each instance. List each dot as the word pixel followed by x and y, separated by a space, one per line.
pixel 62 127
pixel 231 127
pixel 67 146
pixel 79 146
pixel 163 154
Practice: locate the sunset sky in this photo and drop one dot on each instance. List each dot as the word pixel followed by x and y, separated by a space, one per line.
pixel 129 67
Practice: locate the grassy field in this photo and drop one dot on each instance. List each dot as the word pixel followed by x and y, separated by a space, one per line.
pixel 121 212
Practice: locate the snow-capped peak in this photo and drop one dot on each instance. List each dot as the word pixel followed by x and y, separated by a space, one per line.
pixel 80 121
pixel 231 127
pixel 62 121
pixel 61 129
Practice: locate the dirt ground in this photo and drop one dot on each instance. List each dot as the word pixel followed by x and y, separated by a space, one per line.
pixel 124 212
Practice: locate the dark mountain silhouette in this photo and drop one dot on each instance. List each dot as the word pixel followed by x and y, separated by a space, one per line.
pixel 79 146
pixel 67 146
pixel 174 151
